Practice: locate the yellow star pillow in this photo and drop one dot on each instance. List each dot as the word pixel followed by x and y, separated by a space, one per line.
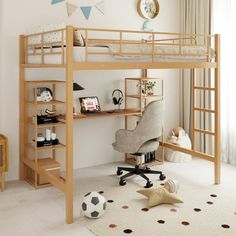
pixel 159 196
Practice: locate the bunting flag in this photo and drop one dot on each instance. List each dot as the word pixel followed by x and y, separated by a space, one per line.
pixel 101 7
pixel 71 8
pixel 86 11
pixel 56 1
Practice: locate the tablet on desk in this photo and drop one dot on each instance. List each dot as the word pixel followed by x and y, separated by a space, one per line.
pixel 89 104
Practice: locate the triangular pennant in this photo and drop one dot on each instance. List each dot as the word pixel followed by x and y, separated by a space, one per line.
pixel 71 8
pixel 86 11
pixel 101 7
pixel 56 1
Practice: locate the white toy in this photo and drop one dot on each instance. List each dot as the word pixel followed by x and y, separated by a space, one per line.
pixel 180 138
pixel 94 205
pixel 171 186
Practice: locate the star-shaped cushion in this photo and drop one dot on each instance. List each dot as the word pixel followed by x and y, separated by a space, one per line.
pixel 159 196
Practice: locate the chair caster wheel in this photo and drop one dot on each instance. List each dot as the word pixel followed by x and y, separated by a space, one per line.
pixel 162 177
pixel 119 172
pixel 149 184
pixel 122 182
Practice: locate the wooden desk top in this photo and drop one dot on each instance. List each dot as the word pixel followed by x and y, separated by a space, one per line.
pixel 103 114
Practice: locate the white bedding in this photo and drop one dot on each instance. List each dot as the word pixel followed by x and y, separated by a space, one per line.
pixel 79 55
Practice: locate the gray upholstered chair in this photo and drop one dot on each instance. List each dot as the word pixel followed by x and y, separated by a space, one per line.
pixel 143 139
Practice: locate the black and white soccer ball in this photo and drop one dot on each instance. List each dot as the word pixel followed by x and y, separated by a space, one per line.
pixel 94 205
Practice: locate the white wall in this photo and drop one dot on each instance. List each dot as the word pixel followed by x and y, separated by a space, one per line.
pixel 92 138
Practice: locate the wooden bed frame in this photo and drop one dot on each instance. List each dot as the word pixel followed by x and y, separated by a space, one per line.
pixel 154 39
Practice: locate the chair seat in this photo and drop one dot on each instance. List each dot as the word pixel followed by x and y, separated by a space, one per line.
pixel 149 146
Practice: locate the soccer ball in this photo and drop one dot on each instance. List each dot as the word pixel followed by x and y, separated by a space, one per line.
pixel 94 205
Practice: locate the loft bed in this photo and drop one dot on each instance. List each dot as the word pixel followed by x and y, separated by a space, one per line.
pixel 74 48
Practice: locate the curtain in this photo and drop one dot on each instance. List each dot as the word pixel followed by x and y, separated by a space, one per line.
pixel 224 23
pixel 196 19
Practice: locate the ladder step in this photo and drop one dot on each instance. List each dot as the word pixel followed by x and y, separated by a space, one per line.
pixel 203 110
pixel 204 131
pixel 204 88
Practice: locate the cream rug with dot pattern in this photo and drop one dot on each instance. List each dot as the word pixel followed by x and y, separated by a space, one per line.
pixel 205 212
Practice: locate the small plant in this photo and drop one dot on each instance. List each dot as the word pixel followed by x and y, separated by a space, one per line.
pixel 147 87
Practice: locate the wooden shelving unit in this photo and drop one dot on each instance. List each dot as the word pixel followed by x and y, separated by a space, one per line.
pixel 37 167
pixel 143 97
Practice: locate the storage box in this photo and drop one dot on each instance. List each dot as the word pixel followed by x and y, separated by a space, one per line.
pixel 50 165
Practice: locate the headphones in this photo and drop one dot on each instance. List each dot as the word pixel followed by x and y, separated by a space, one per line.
pixel 117 99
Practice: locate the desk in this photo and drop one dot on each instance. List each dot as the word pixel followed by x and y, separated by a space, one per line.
pixel 121 112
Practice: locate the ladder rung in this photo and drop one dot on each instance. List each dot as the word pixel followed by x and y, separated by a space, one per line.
pixel 204 88
pixel 204 131
pixel 203 110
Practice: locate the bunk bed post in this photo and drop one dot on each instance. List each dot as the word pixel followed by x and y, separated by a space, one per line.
pixel 69 121
pixel 217 151
pixel 22 106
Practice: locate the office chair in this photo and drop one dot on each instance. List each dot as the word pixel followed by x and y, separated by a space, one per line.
pixel 143 139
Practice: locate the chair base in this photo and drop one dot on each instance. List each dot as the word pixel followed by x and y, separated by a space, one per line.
pixel 138 171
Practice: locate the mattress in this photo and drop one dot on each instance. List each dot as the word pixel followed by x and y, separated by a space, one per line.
pixel 79 55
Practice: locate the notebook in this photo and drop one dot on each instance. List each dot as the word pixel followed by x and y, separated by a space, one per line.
pixel 89 104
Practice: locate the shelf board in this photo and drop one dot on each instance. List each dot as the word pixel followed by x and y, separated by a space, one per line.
pixel 47 148
pixel 138 79
pixel 143 96
pixel 58 124
pixel 104 114
pixel 53 102
pixel 45 81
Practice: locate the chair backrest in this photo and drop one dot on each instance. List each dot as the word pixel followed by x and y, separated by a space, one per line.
pixel 151 122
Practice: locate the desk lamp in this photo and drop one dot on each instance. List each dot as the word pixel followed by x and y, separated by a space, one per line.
pixel 76 87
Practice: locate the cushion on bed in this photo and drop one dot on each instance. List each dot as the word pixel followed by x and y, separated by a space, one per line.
pixel 78 39
pixel 49 37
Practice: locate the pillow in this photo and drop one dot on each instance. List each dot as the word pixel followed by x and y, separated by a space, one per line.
pixel 78 39
pixel 49 37
pixel 157 196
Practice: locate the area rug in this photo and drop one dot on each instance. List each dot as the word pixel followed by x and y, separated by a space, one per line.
pixel 205 212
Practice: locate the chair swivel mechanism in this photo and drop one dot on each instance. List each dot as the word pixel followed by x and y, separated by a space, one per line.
pixel 143 139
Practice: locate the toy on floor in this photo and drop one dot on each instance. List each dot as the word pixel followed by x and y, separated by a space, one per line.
pixel 157 196
pixel 180 138
pixel 94 205
pixel 171 185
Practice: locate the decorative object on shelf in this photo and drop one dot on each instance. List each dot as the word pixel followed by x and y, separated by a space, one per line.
pixel 157 196
pixel 50 112
pixel 94 205
pixel 44 94
pixel 147 87
pixel 56 1
pixel 148 9
pixel 46 119
pixel 171 185
pixel 48 141
pixel 3 159
pixel 147 26
pixel 180 138
pixel 117 97
pixel 71 8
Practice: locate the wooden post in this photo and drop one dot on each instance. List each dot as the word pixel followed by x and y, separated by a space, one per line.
pixel 193 75
pixel 22 106
pixel 217 151
pixel 69 124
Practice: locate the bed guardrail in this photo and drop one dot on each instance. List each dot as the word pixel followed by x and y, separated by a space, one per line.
pixel 122 44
